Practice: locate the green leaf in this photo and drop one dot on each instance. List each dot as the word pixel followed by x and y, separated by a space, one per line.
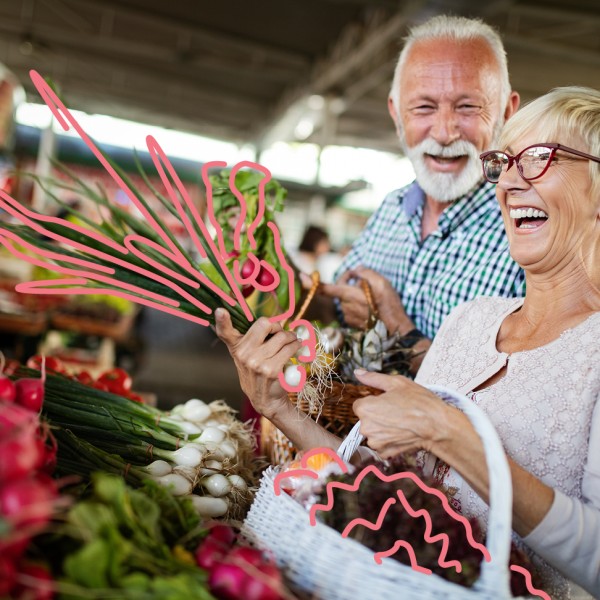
pixel 89 565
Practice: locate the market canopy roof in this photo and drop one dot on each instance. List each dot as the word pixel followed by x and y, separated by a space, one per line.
pixel 253 71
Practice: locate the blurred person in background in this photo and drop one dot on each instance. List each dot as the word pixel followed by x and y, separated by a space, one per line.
pixel 314 244
pixel 439 241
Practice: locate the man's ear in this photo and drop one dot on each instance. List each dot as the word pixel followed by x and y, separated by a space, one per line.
pixel 393 113
pixel 512 105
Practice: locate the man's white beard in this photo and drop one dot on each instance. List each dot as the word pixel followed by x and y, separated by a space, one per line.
pixel 445 187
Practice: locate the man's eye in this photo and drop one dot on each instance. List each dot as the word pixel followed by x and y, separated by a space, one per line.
pixel 468 108
pixel 423 109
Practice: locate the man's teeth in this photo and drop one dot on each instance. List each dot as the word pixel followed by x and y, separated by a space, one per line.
pixel 522 213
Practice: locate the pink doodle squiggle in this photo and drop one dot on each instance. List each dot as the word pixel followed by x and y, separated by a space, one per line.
pixel 159 158
pixel 395 477
pixel 411 555
pixel 528 583
pixel 133 244
pixel 306 472
pixel 373 526
pixel 443 537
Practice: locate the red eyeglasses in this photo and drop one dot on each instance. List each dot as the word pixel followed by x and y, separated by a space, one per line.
pixel 532 162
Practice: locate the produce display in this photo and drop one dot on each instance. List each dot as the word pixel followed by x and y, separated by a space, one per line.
pixel 130 509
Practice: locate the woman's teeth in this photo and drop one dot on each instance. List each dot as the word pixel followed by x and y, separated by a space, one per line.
pixel 528 218
pixel 523 213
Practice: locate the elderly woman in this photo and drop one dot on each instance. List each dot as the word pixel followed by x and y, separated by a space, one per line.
pixel 530 364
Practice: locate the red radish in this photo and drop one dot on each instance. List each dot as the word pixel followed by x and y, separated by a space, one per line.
pixel 227 581
pixel 259 589
pixel 13 416
pixel 8 392
pixel 210 552
pixel 19 455
pixel 34 581
pixel 26 502
pixel 246 554
pixel 248 270
pixel 223 533
pixel 30 393
pixel 266 276
pixel 247 290
pixel 7 575
pixel 7 387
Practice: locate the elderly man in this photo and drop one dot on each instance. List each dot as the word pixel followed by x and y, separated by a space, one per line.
pixel 439 241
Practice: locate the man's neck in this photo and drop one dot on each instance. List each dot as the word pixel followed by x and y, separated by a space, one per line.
pixel 432 210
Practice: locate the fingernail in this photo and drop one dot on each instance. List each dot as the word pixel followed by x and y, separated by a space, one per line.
pixel 360 371
pixel 219 314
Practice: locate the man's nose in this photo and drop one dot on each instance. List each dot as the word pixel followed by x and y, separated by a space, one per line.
pixel 445 128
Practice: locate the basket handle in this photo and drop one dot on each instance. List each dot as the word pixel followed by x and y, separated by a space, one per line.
pixel 494 574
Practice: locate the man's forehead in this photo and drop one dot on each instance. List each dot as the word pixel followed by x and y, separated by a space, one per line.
pixel 453 56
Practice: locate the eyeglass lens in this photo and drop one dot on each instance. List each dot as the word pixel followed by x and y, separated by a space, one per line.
pixel 531 163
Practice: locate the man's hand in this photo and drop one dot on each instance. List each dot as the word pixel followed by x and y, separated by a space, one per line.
pixel 259 356
pixel 355 306
pixel 406 417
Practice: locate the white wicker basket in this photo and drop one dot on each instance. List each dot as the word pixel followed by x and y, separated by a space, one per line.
pixel 318 560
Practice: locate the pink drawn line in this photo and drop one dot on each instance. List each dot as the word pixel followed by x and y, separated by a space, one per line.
pixel 91 251
pixel 305 471
pixel 533 591
pixel 376 526
pixel 90 275
pixel 411 554
pixel 443 537
pixel 65 118
pixel 389 478
pixel 157 153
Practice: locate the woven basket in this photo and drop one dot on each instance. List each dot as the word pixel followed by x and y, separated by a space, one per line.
pixel 319 561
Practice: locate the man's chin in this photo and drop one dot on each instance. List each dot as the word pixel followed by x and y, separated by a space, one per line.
pixel 446 187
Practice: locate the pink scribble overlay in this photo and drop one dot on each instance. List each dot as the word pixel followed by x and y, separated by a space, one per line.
pixel 81 272
pixel 305 471
pixel 375 526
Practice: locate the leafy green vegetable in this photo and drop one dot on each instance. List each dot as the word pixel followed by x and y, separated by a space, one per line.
pixel 118 539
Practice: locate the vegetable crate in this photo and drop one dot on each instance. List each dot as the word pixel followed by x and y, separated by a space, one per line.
pixel 319 561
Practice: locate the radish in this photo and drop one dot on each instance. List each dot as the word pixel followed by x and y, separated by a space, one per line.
pixel 27 502
pixel 7 575
pixel 211 551
pixel 18 456
pixel 7 387
pixel 30 393
pixel 223 533
pixel 227 581
pixel 34 581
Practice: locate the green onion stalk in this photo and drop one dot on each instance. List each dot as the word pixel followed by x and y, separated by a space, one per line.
pixel 141 259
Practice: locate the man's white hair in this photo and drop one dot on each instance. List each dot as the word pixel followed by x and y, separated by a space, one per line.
pixel 455 29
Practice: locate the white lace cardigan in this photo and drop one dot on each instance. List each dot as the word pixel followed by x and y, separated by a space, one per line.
pixel 547 413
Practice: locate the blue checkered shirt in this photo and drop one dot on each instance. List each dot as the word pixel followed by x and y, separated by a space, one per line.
pixel 467 256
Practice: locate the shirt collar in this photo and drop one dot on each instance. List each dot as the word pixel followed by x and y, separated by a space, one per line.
pixel 414 199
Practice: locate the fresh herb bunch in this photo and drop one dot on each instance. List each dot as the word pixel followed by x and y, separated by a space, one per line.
pixel 227 213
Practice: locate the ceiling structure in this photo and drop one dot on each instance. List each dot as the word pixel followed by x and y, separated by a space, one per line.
pixel 262 70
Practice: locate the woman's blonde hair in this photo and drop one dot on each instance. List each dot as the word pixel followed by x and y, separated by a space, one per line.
pixel 568 115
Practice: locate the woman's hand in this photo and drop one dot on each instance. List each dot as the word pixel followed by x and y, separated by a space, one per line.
pixel 406 417
pixel 259 360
